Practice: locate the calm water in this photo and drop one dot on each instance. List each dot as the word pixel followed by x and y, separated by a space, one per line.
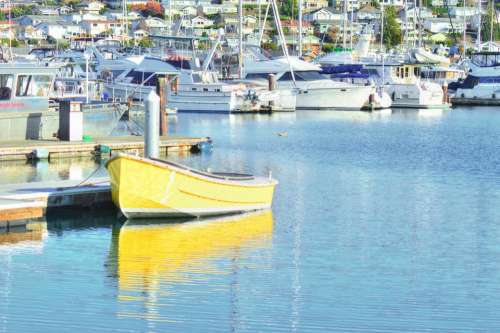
pixel 381 223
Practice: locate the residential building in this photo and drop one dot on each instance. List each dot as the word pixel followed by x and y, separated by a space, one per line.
pixel 29 32
pixel 211 9
pixel 324 14
pixel 442 3
pixel 397 3
pixel 200 22
pixel 313 5
pixel 92 7
pixel 140 34
pixel 463 11
pixel 105 27
pixel 154 23
pixel 74 30
pixel 442 24
pixel 48 10
pixel 422 12
pixel 55 30
pixel 368 13
pixel 291 27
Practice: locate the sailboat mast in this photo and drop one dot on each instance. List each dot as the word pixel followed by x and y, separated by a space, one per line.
pixel 465 32
pixel 414 23
pixel 491 23
pixel 300 28
pixel 478 39
pixel 382 29
pixel 240 39
pixel 344 41
pixel 351 25
pixel 406 26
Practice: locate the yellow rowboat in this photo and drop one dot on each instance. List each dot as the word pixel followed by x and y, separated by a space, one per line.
pixel 145 188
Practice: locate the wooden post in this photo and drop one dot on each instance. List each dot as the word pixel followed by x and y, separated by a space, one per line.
pixel 163 103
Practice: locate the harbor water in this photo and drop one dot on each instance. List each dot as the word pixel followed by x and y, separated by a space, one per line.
pixel 382 222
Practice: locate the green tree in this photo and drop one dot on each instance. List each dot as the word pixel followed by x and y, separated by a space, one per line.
pixel 375 4
pixel 270 46
pixel 146 42
pixel 328 47
pixel 63 44
pixel 392 29
pixel 289 8
pixel 487 21
pixel 22 10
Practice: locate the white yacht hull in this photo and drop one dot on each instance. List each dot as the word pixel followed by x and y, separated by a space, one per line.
pixel 183 100
pixel 419 95
pixel 278 100
pixel 481 91
pixel 347 98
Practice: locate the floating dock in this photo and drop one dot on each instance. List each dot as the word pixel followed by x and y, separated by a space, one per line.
pixel 475 101
pixel 27 201
pixel 52 149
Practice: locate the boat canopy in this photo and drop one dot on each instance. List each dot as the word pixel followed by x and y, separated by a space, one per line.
pixel 150 64
pixel 341 69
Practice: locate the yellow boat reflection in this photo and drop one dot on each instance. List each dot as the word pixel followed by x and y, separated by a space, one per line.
pixel 148 253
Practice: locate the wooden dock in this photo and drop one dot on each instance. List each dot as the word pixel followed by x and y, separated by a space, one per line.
pixel 52 149
pixel 22 202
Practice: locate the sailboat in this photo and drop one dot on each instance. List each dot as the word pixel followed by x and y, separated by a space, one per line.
pixel 314 91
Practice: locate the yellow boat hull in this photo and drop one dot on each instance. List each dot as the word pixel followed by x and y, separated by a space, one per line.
pixel 145 188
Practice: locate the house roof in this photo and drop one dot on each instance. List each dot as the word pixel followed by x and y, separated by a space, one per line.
pixel 330 9
pixel 369 9
pixel 295 23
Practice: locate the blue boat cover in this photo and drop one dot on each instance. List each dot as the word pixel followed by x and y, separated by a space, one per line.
pixel 334 69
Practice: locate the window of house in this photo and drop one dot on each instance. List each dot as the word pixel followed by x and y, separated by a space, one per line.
pixel 33 85
pixel 6 81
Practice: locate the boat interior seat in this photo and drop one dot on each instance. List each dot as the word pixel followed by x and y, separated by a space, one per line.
pixel 215 175
pixel 5 93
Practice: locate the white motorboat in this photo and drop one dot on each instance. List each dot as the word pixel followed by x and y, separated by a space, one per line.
pixel 406 88
pixel 482 84
pixel 314 91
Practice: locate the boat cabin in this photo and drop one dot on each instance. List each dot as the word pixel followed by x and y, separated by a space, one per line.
pixel 441 74
pixel 25 87
pixel 406 72
pixel 486 59
pixel 395 73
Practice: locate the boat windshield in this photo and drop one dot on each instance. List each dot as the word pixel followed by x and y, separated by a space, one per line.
pixel 302 76
pixel 469 82
pixel 139 77
pixel 486 59
pixel 6 81
pixel 33 85
pixel 255 76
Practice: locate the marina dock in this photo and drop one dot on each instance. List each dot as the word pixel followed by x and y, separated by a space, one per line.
pixel 22 202
pixel 475 101
pixel 52 149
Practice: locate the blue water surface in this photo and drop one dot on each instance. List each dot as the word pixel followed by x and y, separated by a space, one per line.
pixel 382 222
